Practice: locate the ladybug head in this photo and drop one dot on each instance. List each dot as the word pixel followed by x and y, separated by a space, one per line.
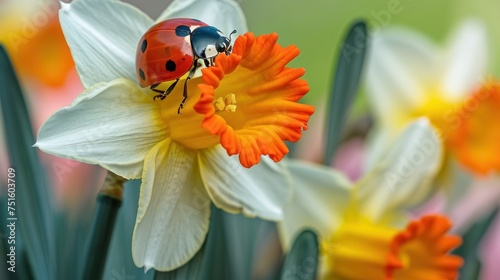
pixel 223 44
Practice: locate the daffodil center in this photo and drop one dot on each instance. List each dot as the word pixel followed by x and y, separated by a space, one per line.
pixel 249 99
pixel 186 128
pixel 226 103
pixel 443 114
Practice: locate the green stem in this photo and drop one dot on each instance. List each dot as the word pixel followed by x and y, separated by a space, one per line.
pixel 109 201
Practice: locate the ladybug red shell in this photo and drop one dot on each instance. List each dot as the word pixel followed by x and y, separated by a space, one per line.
pixel 172 48
pixel 162 55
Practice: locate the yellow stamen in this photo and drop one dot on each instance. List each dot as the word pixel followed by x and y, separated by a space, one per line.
pixel 219 104
pixel 228 103
pixel 230 99
pixel 231 108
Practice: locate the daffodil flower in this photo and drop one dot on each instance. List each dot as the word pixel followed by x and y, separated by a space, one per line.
pixel 408 77
pixel 189 160
pixel 363 229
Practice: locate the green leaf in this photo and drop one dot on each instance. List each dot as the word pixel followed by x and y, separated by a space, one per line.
pixel 345 85
pixel 119 263
pixel 33 194
pixel 469 249
pixel 302 260
pixel 71 232
pixel 100 235
pixel 254 247
pixel 22 268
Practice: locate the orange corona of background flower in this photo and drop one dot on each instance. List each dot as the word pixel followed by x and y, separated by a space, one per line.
pixel 419 251
pixel 475 145
pixel 44 55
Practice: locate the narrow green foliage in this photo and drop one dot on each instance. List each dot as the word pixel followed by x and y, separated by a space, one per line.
pixel 345 85
pixel 469 250
pixel 302 260
pixel 100 236
pixel 119 263
pixel 33 207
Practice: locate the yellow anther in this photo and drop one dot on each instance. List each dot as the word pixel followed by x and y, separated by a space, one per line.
pixel 228 103
pixel 231 108
pixel 230 99
pixel 219 104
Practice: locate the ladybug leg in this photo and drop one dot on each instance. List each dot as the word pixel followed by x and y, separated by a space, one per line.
pixel 153 88
pixel 229 50
pixel 207 62
pixel 163 94
pixel 184 92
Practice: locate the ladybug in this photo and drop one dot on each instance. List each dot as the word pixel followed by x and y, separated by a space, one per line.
pixel 172 48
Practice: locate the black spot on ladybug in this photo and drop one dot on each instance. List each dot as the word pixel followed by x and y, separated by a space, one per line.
pixel 182 31
pixel 144 45
pixel 183 58
pixel 170 66
pixel 142 75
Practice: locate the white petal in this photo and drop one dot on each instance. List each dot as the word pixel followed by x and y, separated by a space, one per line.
pixel 260 191
pixel 320 196
pixel 466 60
pixel 226 15
pixel 103 37
pixel 404 177
pixel 111 124
pixel 378 142
pixel 174 209
pixel 401 64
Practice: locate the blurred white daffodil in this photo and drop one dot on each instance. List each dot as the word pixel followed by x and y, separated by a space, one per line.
pixel 409 77
pixel 184 160
pixel 364 230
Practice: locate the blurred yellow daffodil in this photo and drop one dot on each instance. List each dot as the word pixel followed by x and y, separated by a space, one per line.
pixel 364 230
pixel 409 77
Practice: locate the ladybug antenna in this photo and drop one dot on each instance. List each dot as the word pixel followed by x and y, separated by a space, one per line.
pixel 230 48
pixel 234 31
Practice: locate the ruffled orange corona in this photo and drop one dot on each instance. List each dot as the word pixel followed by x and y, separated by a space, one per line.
pixel 363 250
pixel 247 102
pixel 420 251
pixel 476 144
